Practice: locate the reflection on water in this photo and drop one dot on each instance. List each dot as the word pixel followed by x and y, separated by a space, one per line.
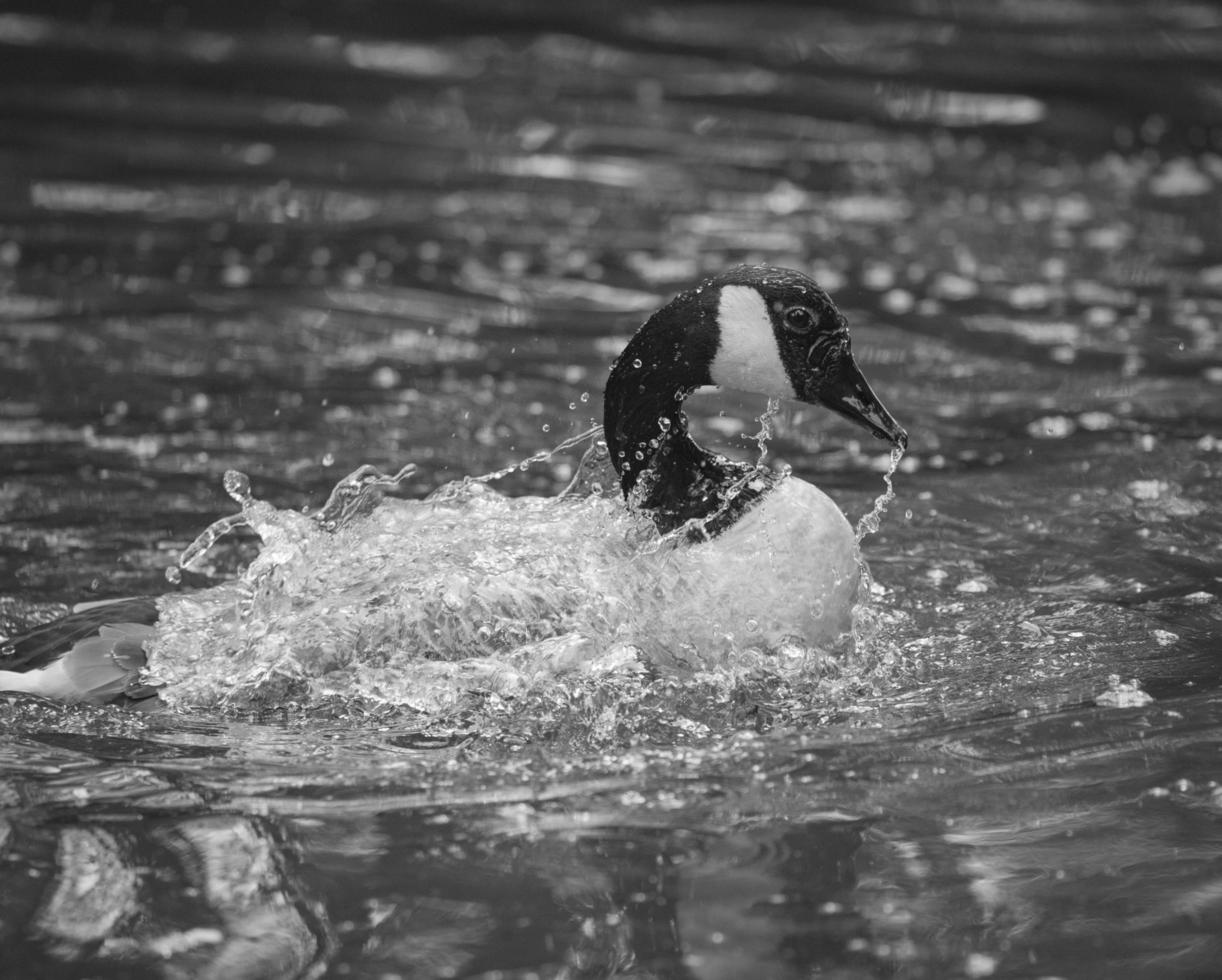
pixel 1081 839
pixel 298 239
pixel 220 904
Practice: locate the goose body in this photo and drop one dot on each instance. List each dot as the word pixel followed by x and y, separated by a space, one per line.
pixel 739 555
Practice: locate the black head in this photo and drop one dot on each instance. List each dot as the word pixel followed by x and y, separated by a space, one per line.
pixel 780 334
pixel 753 328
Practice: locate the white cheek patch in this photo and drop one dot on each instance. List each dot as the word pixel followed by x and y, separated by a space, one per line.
pixel 747 357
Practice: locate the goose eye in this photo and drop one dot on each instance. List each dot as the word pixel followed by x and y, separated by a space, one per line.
pixel 799 318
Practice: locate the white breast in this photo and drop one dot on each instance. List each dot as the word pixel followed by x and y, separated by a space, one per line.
pixel 789 567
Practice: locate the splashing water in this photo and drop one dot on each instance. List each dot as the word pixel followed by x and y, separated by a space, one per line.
pixel 756 477
pixel 765 419
pixel 411 602
pixel 589 435
pixel 471 594
pixel 356 495
pixel 870 522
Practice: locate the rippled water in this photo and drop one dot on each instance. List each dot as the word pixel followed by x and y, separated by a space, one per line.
pixel 296 239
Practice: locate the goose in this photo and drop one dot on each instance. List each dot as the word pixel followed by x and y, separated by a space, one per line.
pixel 739 554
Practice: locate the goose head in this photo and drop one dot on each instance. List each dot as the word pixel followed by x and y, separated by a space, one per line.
pixel 757 329
pixel 780 334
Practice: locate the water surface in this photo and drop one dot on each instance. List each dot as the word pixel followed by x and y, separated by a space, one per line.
pixel 295 240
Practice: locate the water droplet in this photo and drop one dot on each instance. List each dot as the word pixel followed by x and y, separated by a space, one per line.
pixel 639 455
pixel 636 363
pixel 237 485
pixel 585 397
pixel 545 427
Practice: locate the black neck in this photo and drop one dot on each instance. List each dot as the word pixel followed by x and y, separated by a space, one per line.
pixel 661 468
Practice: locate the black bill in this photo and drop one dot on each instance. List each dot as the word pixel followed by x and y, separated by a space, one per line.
pixel 846 392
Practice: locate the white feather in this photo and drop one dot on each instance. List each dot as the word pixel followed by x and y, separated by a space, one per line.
pixel 747 357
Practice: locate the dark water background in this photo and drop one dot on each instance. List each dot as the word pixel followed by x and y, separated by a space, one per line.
pixel 292 238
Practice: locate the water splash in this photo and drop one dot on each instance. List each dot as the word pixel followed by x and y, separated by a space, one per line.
pixel 871 521
pixel 765 419
pixel 457 487
pixel 755 477
pixel 437 605
pixel 353 497
pixel 357 494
